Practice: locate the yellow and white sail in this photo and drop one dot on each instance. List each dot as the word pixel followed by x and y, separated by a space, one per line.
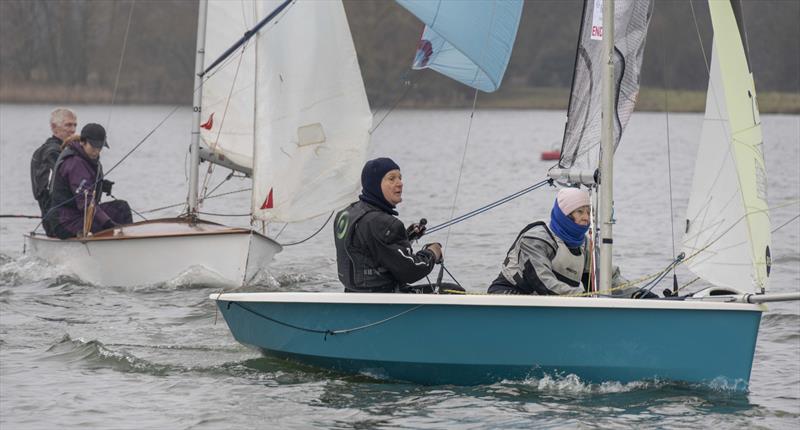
pixel 727 237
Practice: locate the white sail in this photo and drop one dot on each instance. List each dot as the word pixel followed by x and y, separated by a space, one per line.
pixel 727 238
pixel 312 116
pixel 229 92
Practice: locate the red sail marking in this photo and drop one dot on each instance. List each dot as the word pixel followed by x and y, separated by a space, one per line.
pixel 210 123
pixel 268 202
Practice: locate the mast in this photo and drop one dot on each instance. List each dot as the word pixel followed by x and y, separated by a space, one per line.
pixel 607 149
pixel 194 163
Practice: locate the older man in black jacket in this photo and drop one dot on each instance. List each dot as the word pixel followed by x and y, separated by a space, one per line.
pixel 373 250
pixel 63 123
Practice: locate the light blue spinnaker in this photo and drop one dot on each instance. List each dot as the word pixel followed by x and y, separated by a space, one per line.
pixel 469 41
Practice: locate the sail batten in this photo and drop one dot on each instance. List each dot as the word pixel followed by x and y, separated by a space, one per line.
pixel 728 235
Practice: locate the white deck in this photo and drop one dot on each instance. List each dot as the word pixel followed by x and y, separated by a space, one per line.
pixel 484 300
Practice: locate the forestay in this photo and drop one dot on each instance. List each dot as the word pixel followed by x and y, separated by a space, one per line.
pixel 583 127
pixel 727 240
pixel 469 41
pixel 312 118
pixel 229 92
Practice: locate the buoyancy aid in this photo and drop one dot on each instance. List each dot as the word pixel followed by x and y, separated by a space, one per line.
pixel 42 168
pixel 60 192
pixel 355 268
pixel 567 264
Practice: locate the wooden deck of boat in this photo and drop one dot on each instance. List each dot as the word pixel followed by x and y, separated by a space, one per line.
pixel 164 227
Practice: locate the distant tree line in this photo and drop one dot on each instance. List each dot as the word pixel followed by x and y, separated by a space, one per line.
pixel 71 50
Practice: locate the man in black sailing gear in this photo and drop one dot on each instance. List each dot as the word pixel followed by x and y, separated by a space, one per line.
pixel 63 123
pixel 373 250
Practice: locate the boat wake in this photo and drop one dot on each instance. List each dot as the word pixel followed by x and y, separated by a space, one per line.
pixel 27 269
pixel 97 355
pixel 195 277
pixel 571 384
pixel 94 354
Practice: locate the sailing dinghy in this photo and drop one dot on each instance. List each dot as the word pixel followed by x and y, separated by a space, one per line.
pixel 297 123
pixel 390 336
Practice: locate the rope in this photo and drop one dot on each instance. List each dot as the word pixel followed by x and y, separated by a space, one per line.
pixel 147 136
pixel 488 207
pixel 309 237
pixel 408 83
pixel 326 332
pixel 184 203
pixel 454 280
pixel 281 231
pixel 669 162
pixel 461 167
pixel 119 67
pixel 661 273
pixel 656 277
pixel 210 168
pixel 784 224
pixel 219 214
pixel 133 210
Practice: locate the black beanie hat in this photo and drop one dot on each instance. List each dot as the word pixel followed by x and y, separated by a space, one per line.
pixel 371 177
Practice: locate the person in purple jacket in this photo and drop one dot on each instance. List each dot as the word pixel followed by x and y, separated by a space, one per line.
pixel 78 179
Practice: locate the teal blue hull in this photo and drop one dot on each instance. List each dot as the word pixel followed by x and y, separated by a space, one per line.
pixel 467 345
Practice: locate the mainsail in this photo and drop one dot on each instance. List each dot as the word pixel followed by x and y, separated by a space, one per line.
pixel 229 92
pixel 727 240
pixel 582 130
pixel 312 117
pixel 469 41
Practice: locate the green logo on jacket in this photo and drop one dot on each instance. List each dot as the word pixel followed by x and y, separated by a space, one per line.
pixel 342 222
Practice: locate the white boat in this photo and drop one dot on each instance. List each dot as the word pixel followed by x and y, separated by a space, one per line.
pixel 297 124
pixel 712 333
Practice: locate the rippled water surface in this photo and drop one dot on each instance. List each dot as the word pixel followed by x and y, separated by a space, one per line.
pixel 75 355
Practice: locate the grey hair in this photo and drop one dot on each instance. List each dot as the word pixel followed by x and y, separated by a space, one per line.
pixel 59 115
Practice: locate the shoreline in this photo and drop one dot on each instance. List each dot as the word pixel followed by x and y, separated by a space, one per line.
pixel 650 99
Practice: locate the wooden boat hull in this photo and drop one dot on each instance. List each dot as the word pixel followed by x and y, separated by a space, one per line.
pixel 465 340
pixel 157 251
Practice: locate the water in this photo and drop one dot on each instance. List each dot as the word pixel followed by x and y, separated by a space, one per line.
pixel 75 355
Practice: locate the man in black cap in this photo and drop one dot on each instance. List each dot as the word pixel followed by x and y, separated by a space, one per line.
pixel 77 185
pixel 373 250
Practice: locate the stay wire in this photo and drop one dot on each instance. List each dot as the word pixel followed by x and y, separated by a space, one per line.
pixel 144 139
pixel 121 61
pixel 408 83
pixel 461 167
pixel 184 203
pixel 786 223
pixel 669 161
pixel 210 168
pixel 488 207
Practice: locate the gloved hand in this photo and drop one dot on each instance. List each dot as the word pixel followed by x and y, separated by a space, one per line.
pixel 106 185
pixel 416 230
pixel 644 294
pixel 436 249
